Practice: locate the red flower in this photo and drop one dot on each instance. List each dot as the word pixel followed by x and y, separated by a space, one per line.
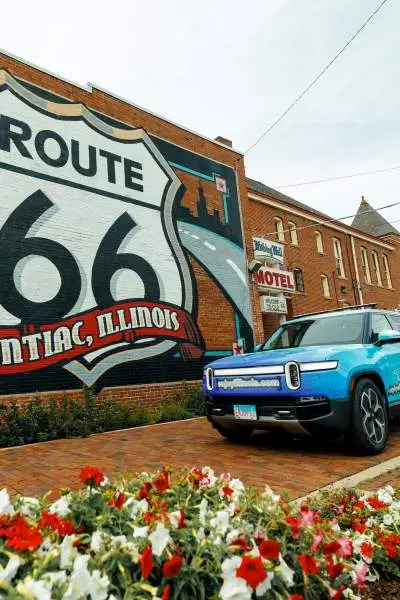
pixel 20 536
pixel 118 500
pixel 240 543
pixel 166 592
pixel 56 523
pixel 161 483
pixel 375 503
pixel 296 597
pixel 333 569
pixel 270 549
pixel 252 571
pixel 336 594
pixel 308 564
pixel 367 549
pixel 295 525
pixel 227 490
pixel 172 567
pixel 181 522
pixel 358 526
pixel 91 476
pixel 146 562
pixel 342 547
pixel 144 493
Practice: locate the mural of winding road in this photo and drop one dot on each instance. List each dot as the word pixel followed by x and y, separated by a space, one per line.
pixel 225 261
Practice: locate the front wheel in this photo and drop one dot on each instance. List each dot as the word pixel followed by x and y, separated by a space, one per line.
pixel 237 434
pixel 369 429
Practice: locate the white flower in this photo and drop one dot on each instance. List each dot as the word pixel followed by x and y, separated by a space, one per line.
pixel 38 589
pixel 370 522
pixel 203 511
pixel 6 508
pixel 67 551
pixel 8 572
pixel 389 489
pixel 60 507
pixel 159 539
pixel 335 527
pixel 96 541
pixel 83 584
pixel 174 518
pixel 286 572
pixel 269 494
pixel 118 540
pixel 388 519
pixel 265 585
pixel 208 480
pixel 221 521
pixel 237 486
pixel 233 588
pixel 105 481
pixel 350 595
pixel 45 547
pixel 140 531
pixel 384 496
pixel 28 506
pixel 136 506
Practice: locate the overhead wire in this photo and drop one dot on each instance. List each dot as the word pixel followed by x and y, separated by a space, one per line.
pixel 337 178
pixel 316 79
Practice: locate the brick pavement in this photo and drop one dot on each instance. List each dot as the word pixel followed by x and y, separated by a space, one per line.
pixel 293 466
pixel 391 477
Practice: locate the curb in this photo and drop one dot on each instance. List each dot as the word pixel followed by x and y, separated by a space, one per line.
pixel 356 478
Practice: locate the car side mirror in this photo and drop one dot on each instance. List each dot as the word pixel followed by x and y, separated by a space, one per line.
pixel 389 336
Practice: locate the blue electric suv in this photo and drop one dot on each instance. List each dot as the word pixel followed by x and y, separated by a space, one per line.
pixel 336 372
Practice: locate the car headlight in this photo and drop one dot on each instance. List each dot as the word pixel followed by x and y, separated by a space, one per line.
pixel 209 378
pixel 324 365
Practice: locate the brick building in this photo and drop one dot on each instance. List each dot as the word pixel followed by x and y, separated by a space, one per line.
pixel 125 244
pixel 333 265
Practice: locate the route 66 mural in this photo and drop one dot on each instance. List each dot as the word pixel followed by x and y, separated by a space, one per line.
pixel 95 272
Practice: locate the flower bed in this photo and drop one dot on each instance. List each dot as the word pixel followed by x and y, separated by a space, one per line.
pixel 194 535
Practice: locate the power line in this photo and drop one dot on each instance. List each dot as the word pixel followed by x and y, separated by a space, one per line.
pixel 337 178
pixel 336 220
pixel 314 81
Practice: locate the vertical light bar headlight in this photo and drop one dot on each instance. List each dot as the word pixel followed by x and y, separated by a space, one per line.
pixel 209 378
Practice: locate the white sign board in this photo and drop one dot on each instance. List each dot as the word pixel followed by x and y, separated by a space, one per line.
pixel 274 279
pixel 264 249
pixel 273 304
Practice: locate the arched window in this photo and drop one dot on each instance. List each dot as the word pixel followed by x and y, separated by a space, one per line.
pixel 320 244
pixel 325 286
pixel 293 233
pixel 337 250
pixel 376 267
pixel 280 234
pixel 365 265
pixel 387 271
pixel 298 280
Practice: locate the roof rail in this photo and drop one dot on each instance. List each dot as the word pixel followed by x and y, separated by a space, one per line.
pixel 334 310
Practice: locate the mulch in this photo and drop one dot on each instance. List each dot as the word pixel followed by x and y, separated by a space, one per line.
pixel 382 590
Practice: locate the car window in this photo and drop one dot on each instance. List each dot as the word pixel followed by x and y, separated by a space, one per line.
pixel 379 322
pixel 396 320
pixel 338 329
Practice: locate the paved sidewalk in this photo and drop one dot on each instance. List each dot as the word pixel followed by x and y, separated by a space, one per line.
pixel 295 466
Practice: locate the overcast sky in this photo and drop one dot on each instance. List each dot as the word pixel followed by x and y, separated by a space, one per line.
pixel 230 67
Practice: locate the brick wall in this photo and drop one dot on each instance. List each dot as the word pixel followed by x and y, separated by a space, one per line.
pixel 313 264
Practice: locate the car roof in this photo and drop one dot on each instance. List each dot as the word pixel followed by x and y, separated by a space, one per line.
pixel 339 312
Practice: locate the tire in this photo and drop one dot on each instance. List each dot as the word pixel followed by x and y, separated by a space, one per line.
pixel 369 428
pixel 237 434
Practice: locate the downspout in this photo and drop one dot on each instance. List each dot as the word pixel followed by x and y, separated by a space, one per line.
pixel 353 250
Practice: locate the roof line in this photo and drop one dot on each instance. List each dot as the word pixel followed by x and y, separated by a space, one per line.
pixel 318 219
pixel 89 87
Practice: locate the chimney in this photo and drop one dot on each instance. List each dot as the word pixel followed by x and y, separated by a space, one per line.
pixel 363 200
pixel 223 141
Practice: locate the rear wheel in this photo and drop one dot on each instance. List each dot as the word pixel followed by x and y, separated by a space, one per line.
pixel 237 434
pixel 369 429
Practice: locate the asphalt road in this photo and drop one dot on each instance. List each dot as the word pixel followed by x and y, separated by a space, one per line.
pixel 223 259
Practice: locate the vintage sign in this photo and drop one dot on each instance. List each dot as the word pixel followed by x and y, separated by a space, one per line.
pixel 264 249
pixel 92 272
pixel 274 279
pixel 273 304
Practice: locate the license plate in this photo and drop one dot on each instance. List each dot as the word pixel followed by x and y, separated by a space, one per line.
pixel 245 411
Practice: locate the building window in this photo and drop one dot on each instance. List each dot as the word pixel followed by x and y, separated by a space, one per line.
pixel 387 271
pixel 325 286
pixel 280 234
pixel 293 234
pixel 320 244
pixel 298 280
pixel 365 265
pixel 337 250
pixel 377 270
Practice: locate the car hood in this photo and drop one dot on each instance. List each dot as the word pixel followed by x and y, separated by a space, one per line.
pixel 303 354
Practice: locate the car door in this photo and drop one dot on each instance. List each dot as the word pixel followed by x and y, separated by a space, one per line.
pixel 388 358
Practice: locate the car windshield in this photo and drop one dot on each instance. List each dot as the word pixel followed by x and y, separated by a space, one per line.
pixel 338 329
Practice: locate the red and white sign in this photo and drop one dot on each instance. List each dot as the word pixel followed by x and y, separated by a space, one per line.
pixel 274 279
pixel 220 184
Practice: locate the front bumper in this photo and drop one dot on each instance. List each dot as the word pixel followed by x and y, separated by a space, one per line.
pixel 293 413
